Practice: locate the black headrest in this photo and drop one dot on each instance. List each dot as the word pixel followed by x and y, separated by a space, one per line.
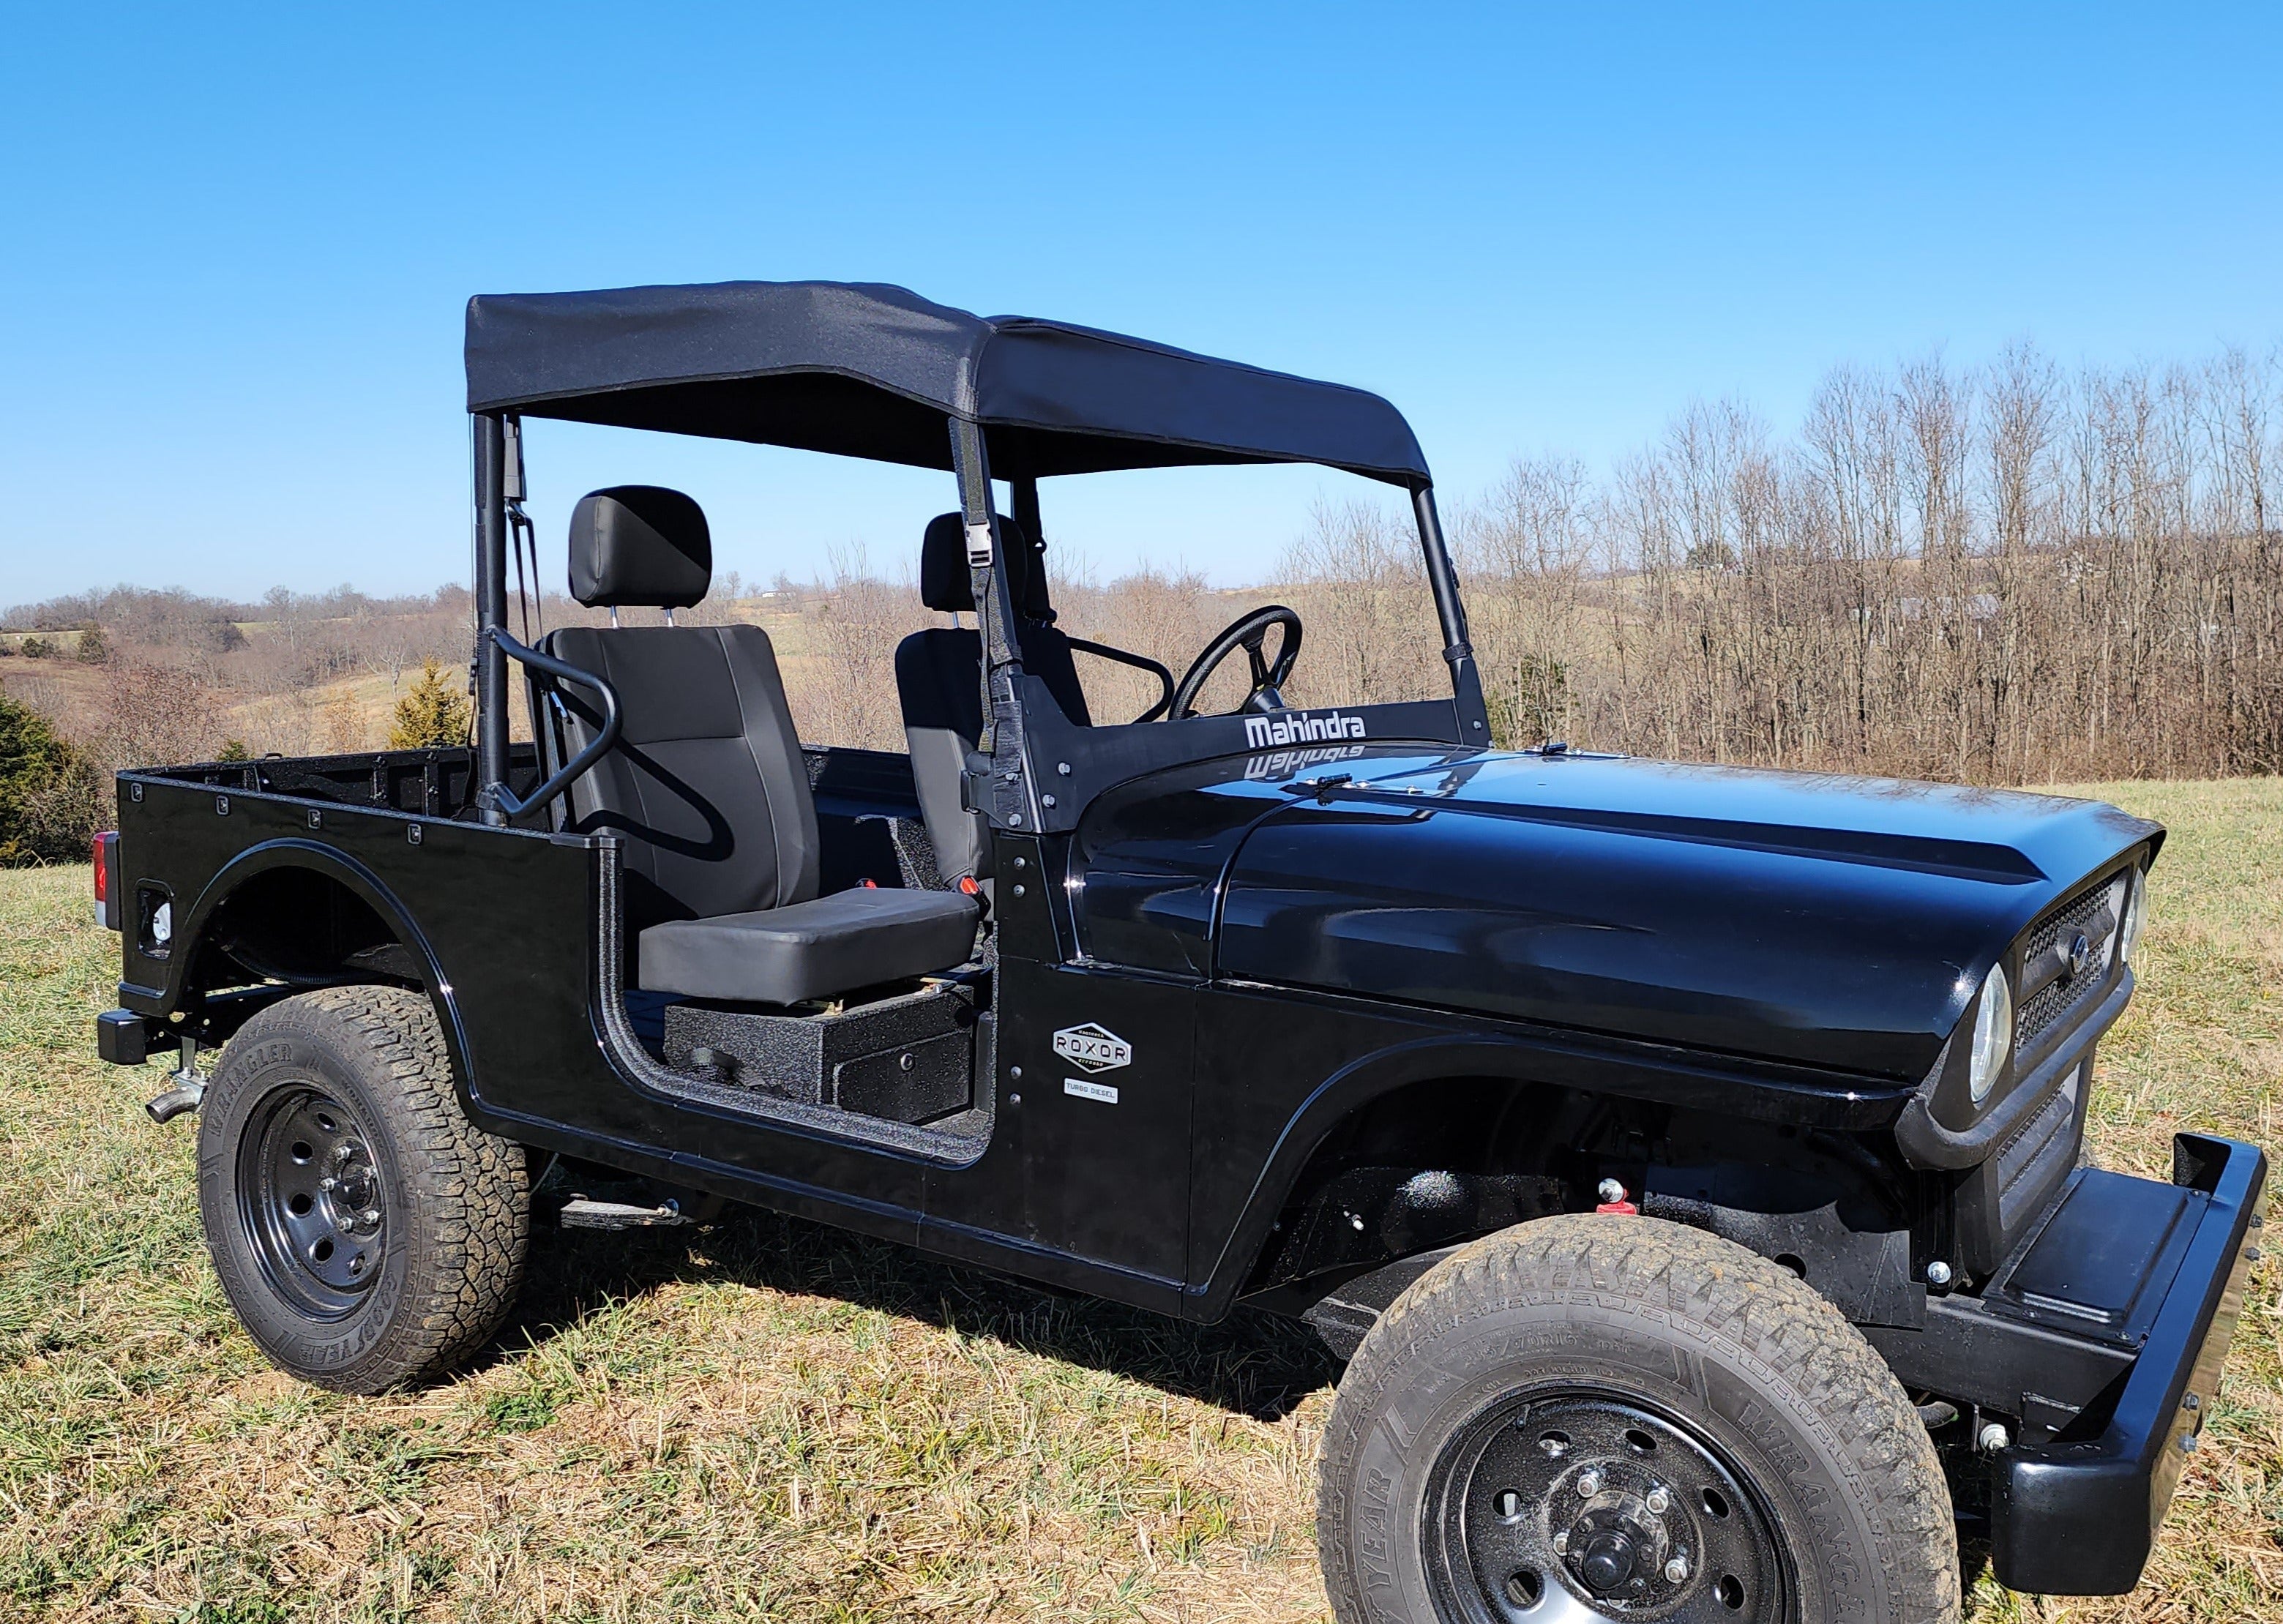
pixel 640 545
pixel 945 584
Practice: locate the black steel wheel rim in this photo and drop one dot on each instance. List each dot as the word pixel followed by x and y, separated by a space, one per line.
pixel 1571 1505
pixel 310 1198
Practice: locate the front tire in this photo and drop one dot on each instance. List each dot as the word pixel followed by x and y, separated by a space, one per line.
pixel 1593 1419
pixel 367 1233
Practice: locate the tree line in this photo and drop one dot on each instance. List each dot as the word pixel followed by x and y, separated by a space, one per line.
pixel 2020 573
pixel 2016 573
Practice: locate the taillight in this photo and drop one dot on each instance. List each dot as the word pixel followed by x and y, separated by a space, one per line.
pixel 107 855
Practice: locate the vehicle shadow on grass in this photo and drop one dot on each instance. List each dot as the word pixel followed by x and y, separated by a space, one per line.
pixel 1251 1364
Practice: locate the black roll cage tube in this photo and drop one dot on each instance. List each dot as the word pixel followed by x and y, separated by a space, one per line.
pixel 599 746
pixel 1139 662
pixel 491 615
pixel 1003 668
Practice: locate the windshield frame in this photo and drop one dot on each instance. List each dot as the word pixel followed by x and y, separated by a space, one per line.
pixel 1044 770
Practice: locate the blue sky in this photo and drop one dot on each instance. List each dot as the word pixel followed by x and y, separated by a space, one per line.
pixel 234 243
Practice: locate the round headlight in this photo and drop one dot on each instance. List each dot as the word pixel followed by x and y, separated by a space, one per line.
pixel 1993 1034
pixel 2136 915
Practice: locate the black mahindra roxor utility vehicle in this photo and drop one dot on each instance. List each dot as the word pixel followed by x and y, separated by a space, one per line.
pixel 1678 1154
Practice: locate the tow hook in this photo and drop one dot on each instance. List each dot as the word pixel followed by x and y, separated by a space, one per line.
pixel 189 1090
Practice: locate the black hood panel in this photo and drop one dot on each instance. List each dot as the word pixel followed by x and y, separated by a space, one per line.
pixel 1824 921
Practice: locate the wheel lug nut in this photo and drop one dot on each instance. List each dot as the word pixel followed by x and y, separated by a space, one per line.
pixel 1658 1501
pixel 1561 1543
pixel 1589 1484
pixel 329 1183
pixel 1676 1570
pixel 371 1215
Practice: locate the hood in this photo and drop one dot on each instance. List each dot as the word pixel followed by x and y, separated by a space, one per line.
pixel 1819 919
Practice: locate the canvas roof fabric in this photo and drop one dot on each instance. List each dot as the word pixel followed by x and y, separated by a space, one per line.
pixel 866 369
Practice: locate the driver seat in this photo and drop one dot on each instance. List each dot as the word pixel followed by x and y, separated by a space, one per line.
pixel 939 682
pixel 709 790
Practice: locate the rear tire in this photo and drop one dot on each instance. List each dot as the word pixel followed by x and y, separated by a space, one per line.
pixel 1592 1418
pixel 367 1234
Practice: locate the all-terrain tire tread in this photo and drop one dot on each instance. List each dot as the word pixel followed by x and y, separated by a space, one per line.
pixel 469 1189
pixel 1776 1317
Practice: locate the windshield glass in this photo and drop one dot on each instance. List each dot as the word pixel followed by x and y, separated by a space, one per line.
pixel 1342 553
pixel 822 553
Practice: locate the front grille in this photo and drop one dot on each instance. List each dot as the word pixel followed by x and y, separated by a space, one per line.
pixel 1998 1200
pixel 2001 1197
pixel 2028 1164
pixel 2050 992
pixel 2094 912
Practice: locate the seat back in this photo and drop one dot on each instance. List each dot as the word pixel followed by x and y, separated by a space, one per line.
pixel 940 681
pixel 706 784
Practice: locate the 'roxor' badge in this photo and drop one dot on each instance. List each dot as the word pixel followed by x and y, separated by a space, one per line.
pixel 1095 1048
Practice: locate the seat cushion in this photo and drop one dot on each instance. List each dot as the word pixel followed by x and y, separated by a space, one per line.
pixel 810 949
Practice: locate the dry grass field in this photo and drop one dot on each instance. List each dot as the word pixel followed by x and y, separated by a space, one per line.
pixel 268 708
pixel 766 1419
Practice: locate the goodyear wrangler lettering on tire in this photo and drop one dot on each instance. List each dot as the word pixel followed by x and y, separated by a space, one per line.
pixel 1613 1420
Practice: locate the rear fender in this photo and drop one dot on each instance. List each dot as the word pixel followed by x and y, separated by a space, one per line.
pixel 184 992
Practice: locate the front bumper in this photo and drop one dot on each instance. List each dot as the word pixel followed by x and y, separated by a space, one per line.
pixel 2077 1515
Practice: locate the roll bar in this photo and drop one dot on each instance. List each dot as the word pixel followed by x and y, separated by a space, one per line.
pixel 504 798
pixel 492 793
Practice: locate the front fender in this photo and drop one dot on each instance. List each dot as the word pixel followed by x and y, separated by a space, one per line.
pixel 1573 1064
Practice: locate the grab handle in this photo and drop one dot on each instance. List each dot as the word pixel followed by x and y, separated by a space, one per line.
pixel 505 798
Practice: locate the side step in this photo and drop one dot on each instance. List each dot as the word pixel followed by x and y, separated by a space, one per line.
pixel 580 1212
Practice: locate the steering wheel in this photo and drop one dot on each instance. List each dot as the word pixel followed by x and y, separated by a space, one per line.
pixel 1248 632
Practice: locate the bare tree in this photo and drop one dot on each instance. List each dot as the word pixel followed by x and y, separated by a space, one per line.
pixel 2013 574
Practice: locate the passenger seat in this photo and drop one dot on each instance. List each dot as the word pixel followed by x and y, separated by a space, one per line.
pixel 940 681
pixel 708 788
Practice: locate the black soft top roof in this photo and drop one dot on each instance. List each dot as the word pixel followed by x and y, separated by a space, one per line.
pixel 870 370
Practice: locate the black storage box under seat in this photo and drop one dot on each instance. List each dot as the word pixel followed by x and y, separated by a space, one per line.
pixel 908 1059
